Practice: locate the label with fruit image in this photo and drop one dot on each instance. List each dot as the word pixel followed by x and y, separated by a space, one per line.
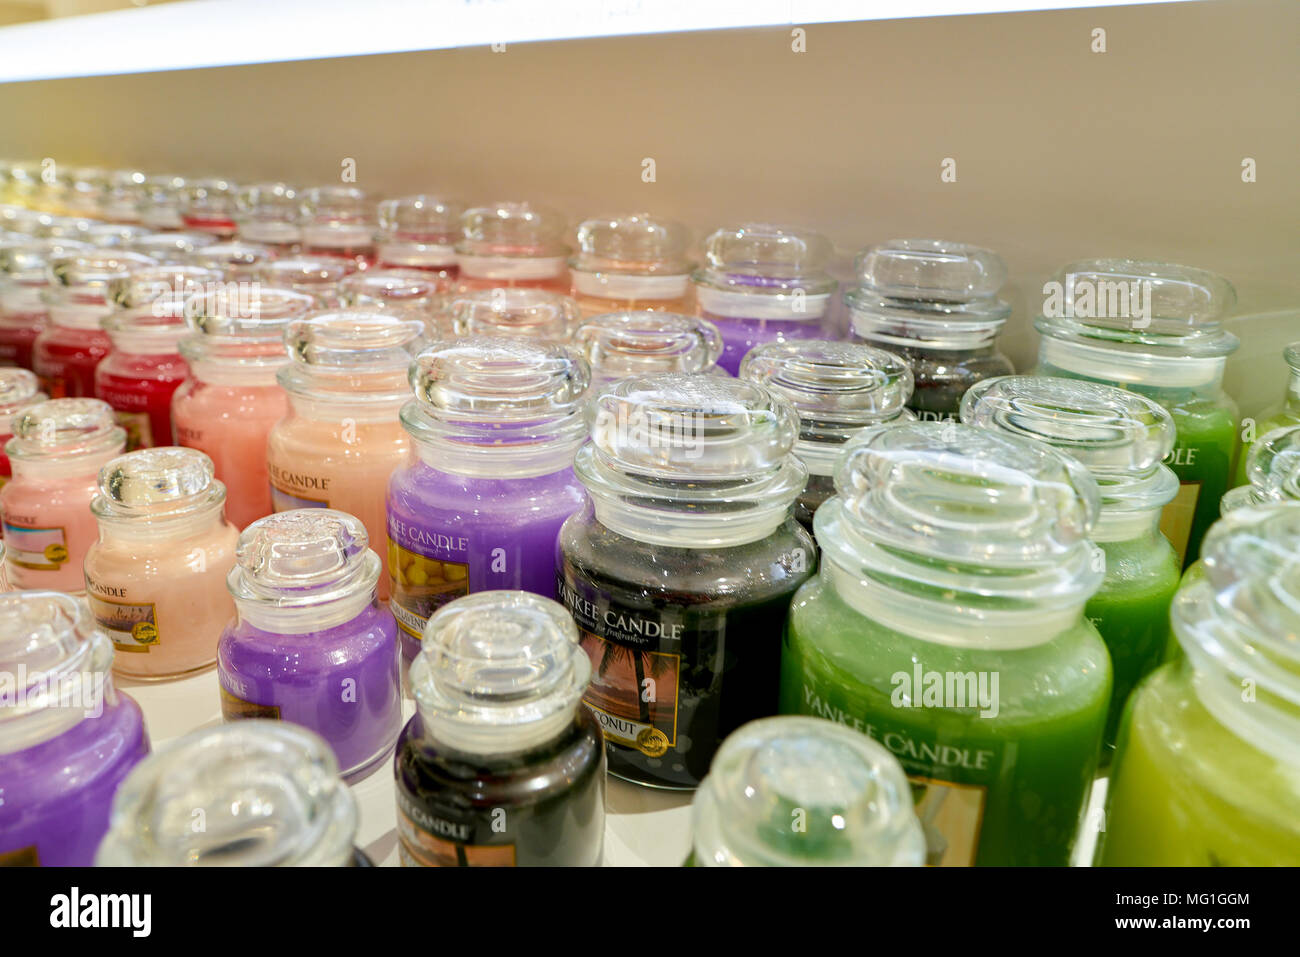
pixel 426 570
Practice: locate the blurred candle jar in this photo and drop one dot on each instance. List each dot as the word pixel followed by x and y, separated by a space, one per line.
pixel 762 283
pixel 848 794
pixel 18 390
pixel 56 454
pixel 86 188
pixel 269 214
pixel 315 277
pixel 268 795
pixel 311 644
pixel 838 389
pixel 411 293
pixel 156 579
pixel 512 244
pixel 236 261
pixel 947 623
pixel 138 377
pixel 24 278
pixel 1273 470
pixel 68 737
pixel 208 206
pixel 518 313
pixel 1207 775
pixel 341 440
pixel 935 304
pixel 123 196
pixel 419 232
pixel 112 235
pixel 680 567
pixel 171 248
pixel 162 203
pixel 338 222
pixel 620 344
pixel 1121 438
pixel 502 765
pixel 1156 329
pixel 78 297
pixel 231 399
pixel 631 262
pixel 494 426
pixel 1284 415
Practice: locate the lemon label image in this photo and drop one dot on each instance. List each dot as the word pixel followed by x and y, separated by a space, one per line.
pixel 38 549
pixel 132 626
pixel 421 584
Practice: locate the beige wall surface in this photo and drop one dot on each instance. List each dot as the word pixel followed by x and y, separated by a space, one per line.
pixel 1061 153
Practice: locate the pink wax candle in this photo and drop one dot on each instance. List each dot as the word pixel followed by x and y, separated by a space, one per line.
pixel 512 244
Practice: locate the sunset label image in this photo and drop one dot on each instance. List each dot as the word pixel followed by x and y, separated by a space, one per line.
pixel 633 694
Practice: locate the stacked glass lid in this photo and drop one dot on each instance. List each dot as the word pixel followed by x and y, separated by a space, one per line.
pixel 1272 469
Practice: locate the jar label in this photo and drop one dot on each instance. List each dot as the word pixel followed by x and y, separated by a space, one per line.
pixel 633 693
pixel 234 708
pixel 139 430
pixel 133 626
pixel 1177 517
pixel 37 549
pixel 425 580
pixel 429 840
pixel 23 857
pixel 951 817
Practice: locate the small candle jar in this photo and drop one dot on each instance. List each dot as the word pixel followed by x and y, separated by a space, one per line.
pixel 518 313
pixel 85 189
pixel 341 440
pixel 267 794
pixel 236 261
pixel 621 344
pixel 338 222
pixel 56 453
pixel 311 644
pixel 680 567
pixel 1280 416
pixel 405 292
pixel 512 244
pixel 143 370
pixel 269 214
pixel 1272 468
pixel 1121 438
pixel 935 304
pixel 231 399
pixel 838 389
pixel 68 737
pixel 208 206
pixel 112 235
pixel 24 277
pixel 502 765
pixel 494 426
pixel 155 580
pixel 315 277
pixel 67 351
pixel 18 390
pixel 162 203
pixel 631 262
pixel 419 232
pixel 763 283
pixel 122 196
pixel 171 248
pixel 800 792
pixel 1208 768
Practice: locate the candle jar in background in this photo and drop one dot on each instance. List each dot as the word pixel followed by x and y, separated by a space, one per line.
pixel 631 263
pixel 419 232
pixel 162 203
pixel 620 344
pixel 112 235
pixel 412 293
pixel 269 214
pixel 518 313
pixel 208 206
pixel 1272 470
pixel 19 388
pixel 512 244
pixel 24 277
pixel 1280 416
pixel 122 197
pixel 316 277
pixel 338 222
pixel 235 260
pixel 171 248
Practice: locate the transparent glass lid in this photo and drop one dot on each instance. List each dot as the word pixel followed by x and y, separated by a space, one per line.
pixel 268 794
pixel 316 277
pixel 208 198
pixel 420 219
pixel 766 258
pixel 798 791
pixel 410 290
pixel 931 269
pixel 170 247
pixel 158 483
pixel 268 201
pixel 485 378
pixel 112 234
pixel 344 205
pixel 360 355
pixel 525 313
pixel 65 428
pixel 47 635
pixel 18 388
pixel 93 271
pixel 499 671
pixel 512 229
pixel 246 312
pixel 237 260
pixel 638 244
pixel 144 285
pixel 619 344
pixel 1272 469
pixel 28 260
pixel 303 557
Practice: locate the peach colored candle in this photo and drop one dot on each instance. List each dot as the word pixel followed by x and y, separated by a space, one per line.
pixel 512 244
pixel 631 262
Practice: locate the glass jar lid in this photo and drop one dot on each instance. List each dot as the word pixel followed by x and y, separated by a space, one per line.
pixel 94 273
pixel 319 278
pixel 268 213
pixel 1272 470
pixel 244 324
pixel 234 260
pixel 620 344
pixel 783 264
pixel 798 791
pixel 65 428
pixel 420 219
pixel 28 261
pixel 353 355
pixel 149 307
pixel 209 204
pixel 499 672
pixel 269 793
pixel 157 484
pixel 337 216
pixel 512 230
pixel 838 389
pixel 635 245
pixel 409 291
pixel 170 247
pixel 19 388
pixel 524 313
pixel 141 286
pixel 112 234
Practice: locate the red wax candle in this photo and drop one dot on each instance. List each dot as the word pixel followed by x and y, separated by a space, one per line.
pixel 65 357
pixel 24 277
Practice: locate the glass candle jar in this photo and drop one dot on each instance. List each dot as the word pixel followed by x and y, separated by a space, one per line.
pixel 231 400
pixel 1156 329
pixel 162 202
pixel 1121 438
pixel 24 277
pixel 338 222
pixel 315 277
pixel 269 214
pixel 838 389
pixel 18 389
pixel 798 792
pixel 680 566
pixel 342 440
pixel 494 426
pixel 1208 768
pixel 762 283
pixel 56 453
pixel 311 644
pixel 419 232
pixel 512 244
pixel 935 304
pixel 172 248
pixel 1280 416
pixel 405 292
pixel 267 794
pixel 619 344
pixel 519 313
pixel 1273 470
pixel 155 579
pixel 112 235
pixel 502 765
pixel 67 351
pixel 239 262
pixel 67 736
pixel 208 206
pixel 122 196
pixel 947 623
pixel 631 262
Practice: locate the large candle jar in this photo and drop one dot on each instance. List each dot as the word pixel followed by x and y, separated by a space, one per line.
pixel 519 313
pixel 1156 329
pixel 512 244
pixel 620 344
pixel 18 389
pixel 631 262
pixel 67 351
pixel 67 736
pixel 935 304
pixel 799 792
pixel 494 426
pixel 208 206
pixel 239 262
pixel 680 567
pixel 266 795
pixel 231 400
pixel 56 454
pixel 269 214
pixel 312 276
pixel 947 623
pixel 419 232
pixel 341 440
pixel 409 292
pixel 24 277
pixel 1280 416
pixel 502 765
pixel 1208 768
pixel 1121 438
pixel 838 389
pixel 311 644
pixel 338 222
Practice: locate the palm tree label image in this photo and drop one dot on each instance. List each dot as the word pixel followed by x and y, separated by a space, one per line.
pixel 421 584
pixel 429 840
pixel 633 693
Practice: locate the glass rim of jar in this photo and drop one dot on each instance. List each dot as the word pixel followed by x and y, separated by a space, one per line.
pixel 936 324
pixel 688 340
pixel 420 289
pixel 600 266
pixel 80 650
pixel 987 263
pixel 813 284
pixel 1140 343
pixel 551 316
